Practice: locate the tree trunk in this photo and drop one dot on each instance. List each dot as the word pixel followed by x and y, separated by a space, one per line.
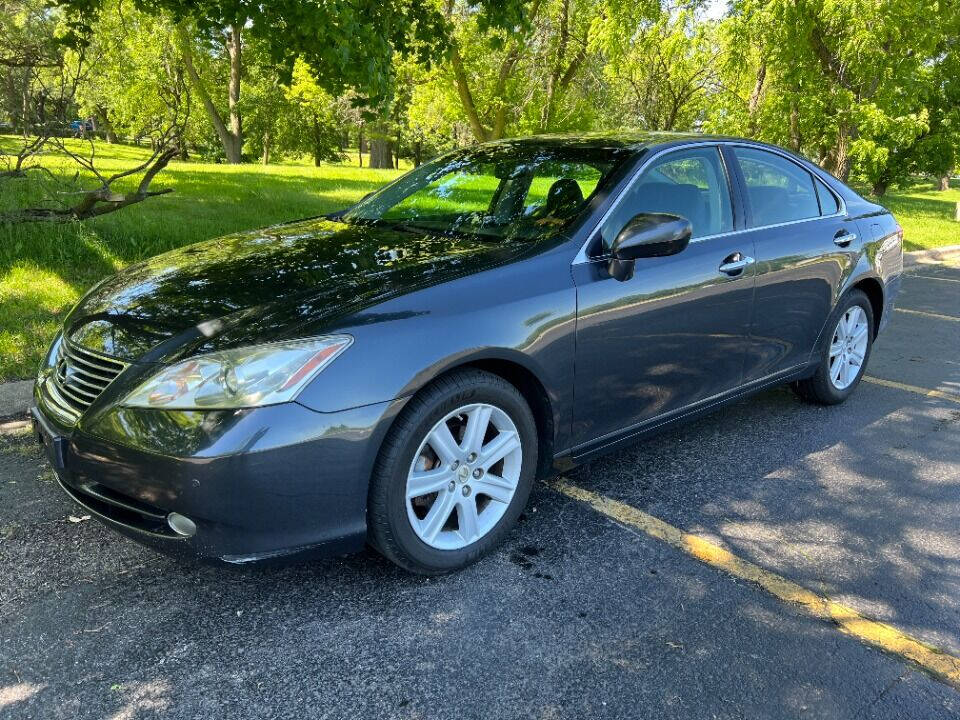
pixel 880 187
pixel 794 128
pixel 466 97
pixel 756 96
pixel 265 159
pixel 943 182
pixel 417 154
pixel 838 162
pixel 546 114
pixel 109 134
pixel 381 155
pixel 25 99
pixel 231 142
pixel 317 143
pixel 360 147
pixel 236 128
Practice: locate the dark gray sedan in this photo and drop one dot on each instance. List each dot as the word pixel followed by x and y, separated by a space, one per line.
pixel 401 372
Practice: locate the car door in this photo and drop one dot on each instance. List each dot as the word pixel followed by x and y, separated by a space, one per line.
pixel 804 247
pixel 673 334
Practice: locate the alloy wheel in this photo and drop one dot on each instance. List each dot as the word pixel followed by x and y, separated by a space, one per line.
pixel 463 476
pixel 848 348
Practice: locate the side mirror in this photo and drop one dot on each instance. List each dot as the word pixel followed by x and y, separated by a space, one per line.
pixel 648 235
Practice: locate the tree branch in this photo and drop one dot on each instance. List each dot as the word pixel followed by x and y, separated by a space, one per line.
pixel 102 200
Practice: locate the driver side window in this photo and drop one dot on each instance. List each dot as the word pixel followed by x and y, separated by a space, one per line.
pixel 689 183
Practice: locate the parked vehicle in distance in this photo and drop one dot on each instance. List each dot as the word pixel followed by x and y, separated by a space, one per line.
pixel 401 372
pixel 80 128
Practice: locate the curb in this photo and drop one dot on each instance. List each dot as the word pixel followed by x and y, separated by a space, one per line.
pixel 927 257
pixel 16 397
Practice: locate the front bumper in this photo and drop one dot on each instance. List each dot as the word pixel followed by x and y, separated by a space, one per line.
pixel 259 484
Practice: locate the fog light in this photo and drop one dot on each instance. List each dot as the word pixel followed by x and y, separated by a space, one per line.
pixel 181 524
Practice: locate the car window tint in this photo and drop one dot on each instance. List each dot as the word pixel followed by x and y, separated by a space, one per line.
pixel 828 201
pixel 551 176
pixel 689 183
pixel 509 191
pixel 779 190
pixel 463 191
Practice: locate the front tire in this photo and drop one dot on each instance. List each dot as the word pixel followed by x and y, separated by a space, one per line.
pixel 454 473
pixel 845 352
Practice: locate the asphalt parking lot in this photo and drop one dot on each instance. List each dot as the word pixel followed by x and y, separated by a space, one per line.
pixel 584 613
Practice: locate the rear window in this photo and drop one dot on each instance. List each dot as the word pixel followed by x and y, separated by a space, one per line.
pixel 828 201
pixel 779 190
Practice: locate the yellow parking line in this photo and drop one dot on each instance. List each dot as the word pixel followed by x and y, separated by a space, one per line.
pixel 936 316
pixel 885 637
pixel 913 388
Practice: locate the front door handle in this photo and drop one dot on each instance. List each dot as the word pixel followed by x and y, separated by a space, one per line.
pixel 735 263
pixel 844 238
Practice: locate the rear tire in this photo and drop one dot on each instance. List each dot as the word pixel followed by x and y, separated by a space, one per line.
pixel 845 351
pixel 453 474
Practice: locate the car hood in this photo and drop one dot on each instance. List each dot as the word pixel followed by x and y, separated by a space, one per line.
pixel 281 282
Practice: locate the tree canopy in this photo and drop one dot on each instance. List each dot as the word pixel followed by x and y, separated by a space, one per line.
pixel 870 90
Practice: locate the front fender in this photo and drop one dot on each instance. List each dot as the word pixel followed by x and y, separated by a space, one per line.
pixel 524 313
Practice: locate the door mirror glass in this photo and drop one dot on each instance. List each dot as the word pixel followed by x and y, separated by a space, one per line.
pixel 652 235
pixel 648 235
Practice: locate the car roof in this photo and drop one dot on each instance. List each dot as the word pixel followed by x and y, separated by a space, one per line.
pixel 642 140
pixel 627 139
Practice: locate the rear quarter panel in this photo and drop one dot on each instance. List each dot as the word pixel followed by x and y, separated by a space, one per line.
pixel 883 250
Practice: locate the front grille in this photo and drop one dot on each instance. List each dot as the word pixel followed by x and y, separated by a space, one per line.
pixel 79 376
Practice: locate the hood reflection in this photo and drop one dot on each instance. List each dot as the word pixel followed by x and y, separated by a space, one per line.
pixel 266 285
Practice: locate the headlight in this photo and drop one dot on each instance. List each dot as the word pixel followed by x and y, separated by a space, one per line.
pixel 245 377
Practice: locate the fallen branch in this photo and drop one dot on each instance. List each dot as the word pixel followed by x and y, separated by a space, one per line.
pixel 102 200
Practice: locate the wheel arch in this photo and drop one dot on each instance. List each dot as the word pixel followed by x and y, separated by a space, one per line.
pixel 873 289
pixel 517 372
pixel 534 392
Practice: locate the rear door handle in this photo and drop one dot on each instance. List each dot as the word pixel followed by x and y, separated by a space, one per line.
pixel 735 263
pixel 844 238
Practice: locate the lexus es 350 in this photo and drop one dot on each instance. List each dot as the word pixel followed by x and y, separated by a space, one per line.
pixel 401 372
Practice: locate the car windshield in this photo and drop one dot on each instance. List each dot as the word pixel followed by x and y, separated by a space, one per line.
pixel 499 192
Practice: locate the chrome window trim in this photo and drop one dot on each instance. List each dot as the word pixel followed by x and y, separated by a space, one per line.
pixel 583 257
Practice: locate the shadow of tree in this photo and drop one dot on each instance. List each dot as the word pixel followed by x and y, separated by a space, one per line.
pixel 858 502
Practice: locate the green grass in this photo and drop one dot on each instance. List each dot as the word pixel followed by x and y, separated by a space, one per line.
pixel 925 214
pixel 44 267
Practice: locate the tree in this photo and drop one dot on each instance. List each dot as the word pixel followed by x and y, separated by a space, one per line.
pixel 28 48
pixel 345 44
pixel 313 125
pixel 137 75
pixel 827 77
pixel 102 199
pixel 229 129
pixel 664 79
pixel 52 83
